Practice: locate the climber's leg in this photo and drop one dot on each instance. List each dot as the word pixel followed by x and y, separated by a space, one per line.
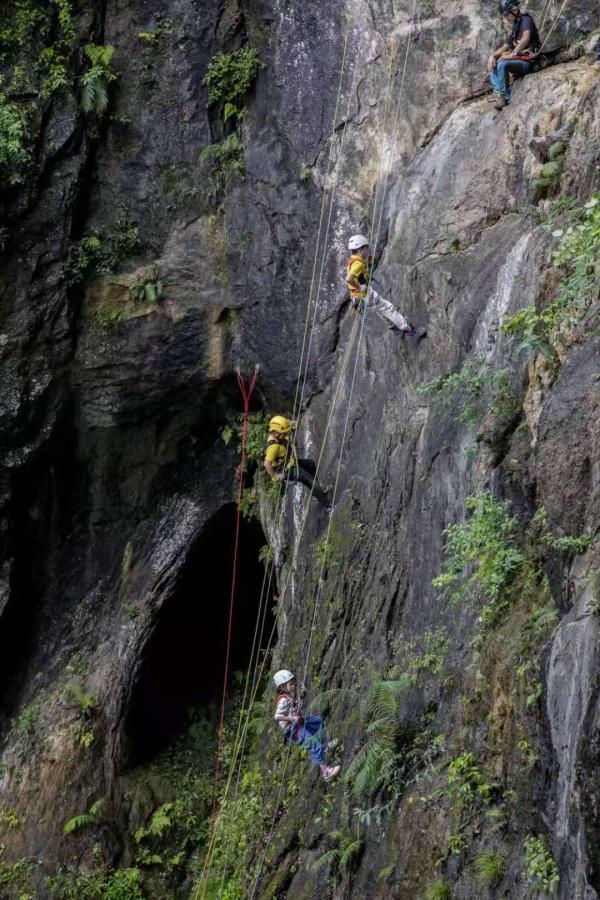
pixel 313 738
pixel 300 474
pixel 389 312
pixel 499 77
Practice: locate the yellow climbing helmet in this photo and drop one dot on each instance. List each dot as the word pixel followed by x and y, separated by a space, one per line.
pixel 281 425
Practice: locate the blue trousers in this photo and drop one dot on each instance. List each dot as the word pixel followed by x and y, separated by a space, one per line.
pixel 499 76
pixel 312 737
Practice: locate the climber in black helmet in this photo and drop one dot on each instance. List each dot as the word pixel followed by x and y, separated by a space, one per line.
pixel 282 464
pixel 517 56
pixel 361 290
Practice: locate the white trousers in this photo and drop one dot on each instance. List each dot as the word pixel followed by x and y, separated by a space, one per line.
pixel 386 310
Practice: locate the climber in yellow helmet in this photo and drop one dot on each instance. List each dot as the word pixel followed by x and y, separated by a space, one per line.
pixel 281 462
pixel 358 279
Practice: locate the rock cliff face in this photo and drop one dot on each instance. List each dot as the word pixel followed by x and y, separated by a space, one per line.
pixel 117 488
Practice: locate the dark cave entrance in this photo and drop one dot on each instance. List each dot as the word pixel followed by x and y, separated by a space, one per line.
pixel 182 666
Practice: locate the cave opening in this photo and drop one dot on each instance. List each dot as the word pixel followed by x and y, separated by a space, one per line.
pixel 182 666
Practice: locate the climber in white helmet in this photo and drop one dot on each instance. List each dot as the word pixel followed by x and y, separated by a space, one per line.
pixel 358 279
pixel 306 731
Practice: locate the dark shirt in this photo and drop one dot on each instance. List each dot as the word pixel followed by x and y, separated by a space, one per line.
pixel 524 23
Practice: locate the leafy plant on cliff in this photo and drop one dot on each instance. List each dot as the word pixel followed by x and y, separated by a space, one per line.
pixel 93 816
pixel 53 60
pixel 548 178
pixel 577 260
pixel 84 701
pixel 378 762
pixel 17 876
pixel 484 545
pixel 95 82
pixel 342 856
pixel 540 868
pixel 153 39
pixel 102 252
pixel 466 783
pixel 9 818
pixel 568 543
pixel 471 391
pixel 229 78
pixel 222 162
pixel 28 23
pixel 25 724
pixel 14 156
pixel 489 867
pixel 439 890
pixel 147 290
pixel 230 874
pixel 99 884
pixel 256 436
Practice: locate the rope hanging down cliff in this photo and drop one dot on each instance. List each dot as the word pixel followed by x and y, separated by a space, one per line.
pixel 246 391
pixel 256 680
pixel 338 471
pixel 266 586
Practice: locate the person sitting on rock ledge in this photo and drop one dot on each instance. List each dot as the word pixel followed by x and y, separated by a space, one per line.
pixel 306 731
pixel 281 462
pixel 517 56
pixel 362 294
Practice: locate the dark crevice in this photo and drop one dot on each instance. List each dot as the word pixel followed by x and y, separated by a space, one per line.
pixel 182 666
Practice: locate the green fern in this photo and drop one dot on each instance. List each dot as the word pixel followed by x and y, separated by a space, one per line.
pixel 76 823
pixel 340 859
pixel 92 817
pixel 376 763
pixel 95 82
pixel 160 822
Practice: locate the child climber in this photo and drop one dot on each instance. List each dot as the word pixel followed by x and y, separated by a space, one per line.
pixel 281 462
pixel 306 731
pixel 358 279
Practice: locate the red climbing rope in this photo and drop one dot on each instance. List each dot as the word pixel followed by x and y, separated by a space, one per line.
pixel 246 391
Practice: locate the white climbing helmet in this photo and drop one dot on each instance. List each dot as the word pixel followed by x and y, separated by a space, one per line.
pixel 282 677
pixel 357 241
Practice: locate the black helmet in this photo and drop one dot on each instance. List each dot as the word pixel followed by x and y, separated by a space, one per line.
pixel 506 6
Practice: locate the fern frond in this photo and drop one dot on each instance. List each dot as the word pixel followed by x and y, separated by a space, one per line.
pixel 97 808
pixel 101 97
pixel 77 822
pixel 88 95
pixel 327 697
pixel 369 777
pixel 327 860
pixel 356 765
pixel 348 854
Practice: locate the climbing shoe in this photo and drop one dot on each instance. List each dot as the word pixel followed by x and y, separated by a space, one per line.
pixel 331 772
pixel 331 745
pixel 500 103
pixel 416 334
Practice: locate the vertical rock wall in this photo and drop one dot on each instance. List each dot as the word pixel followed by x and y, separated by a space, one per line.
pixel 112 458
